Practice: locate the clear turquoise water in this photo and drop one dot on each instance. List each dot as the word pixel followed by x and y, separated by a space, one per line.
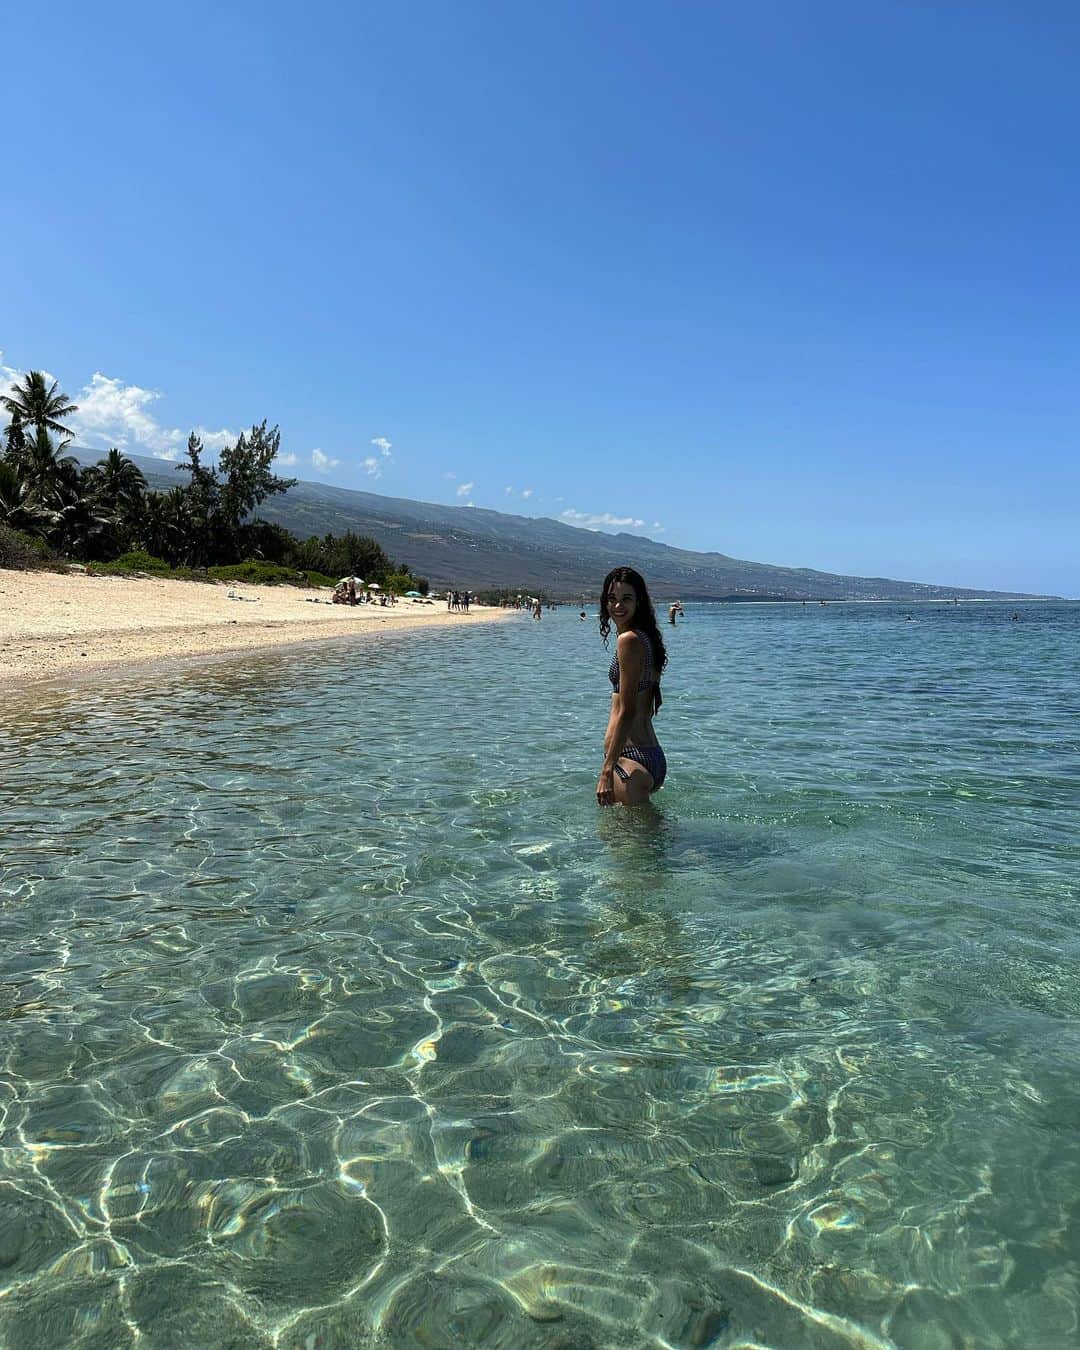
pixel 334 1013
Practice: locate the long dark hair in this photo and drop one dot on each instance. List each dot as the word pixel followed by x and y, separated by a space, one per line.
pixel 644 621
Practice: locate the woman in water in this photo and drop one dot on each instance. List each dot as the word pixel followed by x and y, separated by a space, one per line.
pixel 634 764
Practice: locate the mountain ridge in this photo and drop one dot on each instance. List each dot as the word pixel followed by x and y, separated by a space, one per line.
pixel 483 549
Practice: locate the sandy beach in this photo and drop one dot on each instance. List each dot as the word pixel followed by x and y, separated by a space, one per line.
pixel 52 625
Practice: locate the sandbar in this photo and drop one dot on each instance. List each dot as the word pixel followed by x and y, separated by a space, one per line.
pixel 54 624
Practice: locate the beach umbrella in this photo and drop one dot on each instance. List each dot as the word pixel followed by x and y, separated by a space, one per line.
pixel 345 581
pixel 374 586
pixel 408 593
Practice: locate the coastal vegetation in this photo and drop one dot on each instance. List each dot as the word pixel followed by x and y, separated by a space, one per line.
pixel 52 508
pixel 504 597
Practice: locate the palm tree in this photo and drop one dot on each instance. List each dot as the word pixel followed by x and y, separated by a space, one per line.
pixel 43 463
pixel 39 404
pixel 119 492
pixel 17 505
pixel 71 519
pixel 162 525
pixel 44 493
pixel 119 482
pixel 177 511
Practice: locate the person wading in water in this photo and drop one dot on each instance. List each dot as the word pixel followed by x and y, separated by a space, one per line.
pixel 634 764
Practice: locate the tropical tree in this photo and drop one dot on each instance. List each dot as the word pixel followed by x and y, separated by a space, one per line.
pixel 203 493
pixel 39 404
pixel 248 476
pixel 70 518
pixel 343 555
pixel 401 581
pixel 151 531
pixel 43 492
pixel 17 506
pixel 118 480
pixel 14 438
pixel 43 463
pixel 267 542
pixel 119 489
pixel 178 526
pixel 162 528
pixel 106 510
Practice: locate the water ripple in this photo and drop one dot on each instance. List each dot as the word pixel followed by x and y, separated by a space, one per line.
pixel 334 1014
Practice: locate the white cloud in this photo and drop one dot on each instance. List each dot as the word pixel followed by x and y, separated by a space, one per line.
pixel 323 462
pixel 371 466
pixel 509 491
pixel 592 520
pixel 287 460
pixel 383 445
pixel 8 377
pixel 451 476
pixel 464 490
pixel 658 527
pixel 528 492
pixel 114 413
pixel 218 440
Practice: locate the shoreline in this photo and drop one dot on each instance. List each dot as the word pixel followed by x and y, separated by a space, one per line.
pixel 55 626
pixel 885 600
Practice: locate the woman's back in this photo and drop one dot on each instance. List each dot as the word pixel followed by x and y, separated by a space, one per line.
pixel 646 680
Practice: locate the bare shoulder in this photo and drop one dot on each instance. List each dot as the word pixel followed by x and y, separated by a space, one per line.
pixel 629 645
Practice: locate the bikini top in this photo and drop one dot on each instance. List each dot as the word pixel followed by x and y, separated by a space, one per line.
pixel 646 671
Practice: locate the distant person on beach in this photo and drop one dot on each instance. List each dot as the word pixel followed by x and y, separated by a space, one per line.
pixel 634 763
pixel 352 590
pixel 538 610
pixel 674 609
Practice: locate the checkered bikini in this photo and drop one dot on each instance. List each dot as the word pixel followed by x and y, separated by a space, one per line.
pixel 650 757
pixel 646 672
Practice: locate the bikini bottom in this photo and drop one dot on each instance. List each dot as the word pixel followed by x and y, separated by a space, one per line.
pixel 650 757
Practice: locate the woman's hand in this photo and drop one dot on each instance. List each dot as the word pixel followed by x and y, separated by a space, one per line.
pixel 605 788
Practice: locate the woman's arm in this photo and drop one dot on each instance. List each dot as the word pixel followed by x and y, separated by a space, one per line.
pixel 623 711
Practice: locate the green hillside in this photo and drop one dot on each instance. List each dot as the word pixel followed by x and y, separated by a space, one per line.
pixel 481 549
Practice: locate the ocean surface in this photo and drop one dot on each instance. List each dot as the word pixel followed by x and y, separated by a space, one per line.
pixel 334 1013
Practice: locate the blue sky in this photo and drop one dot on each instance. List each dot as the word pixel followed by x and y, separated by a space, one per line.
pixel 797 282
